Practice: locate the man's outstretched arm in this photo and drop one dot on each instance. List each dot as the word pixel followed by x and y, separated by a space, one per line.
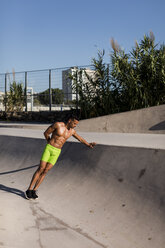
pixel 79 138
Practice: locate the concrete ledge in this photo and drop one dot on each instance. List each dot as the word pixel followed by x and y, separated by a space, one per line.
pixel 147 120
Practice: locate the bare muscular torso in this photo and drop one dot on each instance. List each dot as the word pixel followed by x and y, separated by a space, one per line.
pixel 57 134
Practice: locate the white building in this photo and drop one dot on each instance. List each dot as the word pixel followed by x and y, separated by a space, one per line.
pixel 68 82
pixel 2 96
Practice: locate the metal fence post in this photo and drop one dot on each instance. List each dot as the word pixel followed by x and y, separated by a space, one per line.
pixel 77 103
pixel 50 92
pixel 5 92
pixel 26 92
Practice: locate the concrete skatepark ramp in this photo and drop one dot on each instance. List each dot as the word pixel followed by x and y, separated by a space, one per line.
pixel 109 196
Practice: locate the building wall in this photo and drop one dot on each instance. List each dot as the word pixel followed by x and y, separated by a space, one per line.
pixel 67 83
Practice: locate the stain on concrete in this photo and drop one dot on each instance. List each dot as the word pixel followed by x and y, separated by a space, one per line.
pixel 141 174
pixel 26 229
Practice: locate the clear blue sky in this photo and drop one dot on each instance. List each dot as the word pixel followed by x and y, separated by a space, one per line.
pixel 40 34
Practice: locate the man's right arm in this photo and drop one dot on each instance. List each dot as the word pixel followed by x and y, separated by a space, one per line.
pixel 49 131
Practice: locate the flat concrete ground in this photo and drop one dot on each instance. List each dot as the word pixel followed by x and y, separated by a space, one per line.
pixel 110 196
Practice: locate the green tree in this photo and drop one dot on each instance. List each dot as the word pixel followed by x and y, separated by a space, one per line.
pixel 140 75
pixel 133 80
pixel 57 96
pixel 15 99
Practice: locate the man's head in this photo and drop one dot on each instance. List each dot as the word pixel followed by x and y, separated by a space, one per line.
pixel 72 121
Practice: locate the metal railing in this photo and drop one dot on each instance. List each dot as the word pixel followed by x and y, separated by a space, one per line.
pixel 43 90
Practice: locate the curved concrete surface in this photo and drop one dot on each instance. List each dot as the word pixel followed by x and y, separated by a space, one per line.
pixel 109 196
pixel 155 141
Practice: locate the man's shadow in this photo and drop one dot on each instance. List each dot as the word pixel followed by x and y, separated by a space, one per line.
pixel 14 171
pixel 12 190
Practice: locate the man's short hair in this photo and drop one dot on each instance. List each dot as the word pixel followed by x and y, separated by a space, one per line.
pixel 72 117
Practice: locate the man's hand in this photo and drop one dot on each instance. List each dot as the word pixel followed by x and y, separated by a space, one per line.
pixel 91 145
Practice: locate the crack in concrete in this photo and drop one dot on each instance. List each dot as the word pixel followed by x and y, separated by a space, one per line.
pixel 37 224
pixel 78 230
pixel 52 229
pixel 46 222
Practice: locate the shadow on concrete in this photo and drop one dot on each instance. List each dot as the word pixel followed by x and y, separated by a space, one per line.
pixel 14 171
pixel 159 126
pixel 12 190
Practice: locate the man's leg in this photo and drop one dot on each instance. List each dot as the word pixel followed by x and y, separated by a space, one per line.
pixel 42 176
pixel 37 179
pixel 37 174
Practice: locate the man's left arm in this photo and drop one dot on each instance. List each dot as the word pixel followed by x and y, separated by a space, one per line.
pixel 79 138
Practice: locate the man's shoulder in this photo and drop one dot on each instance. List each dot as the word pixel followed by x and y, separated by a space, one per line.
pixel 58 124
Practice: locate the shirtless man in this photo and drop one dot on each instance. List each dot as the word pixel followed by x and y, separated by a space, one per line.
pixel 59 132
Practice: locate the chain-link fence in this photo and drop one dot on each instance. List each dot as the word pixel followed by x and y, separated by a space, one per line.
pixel 40 90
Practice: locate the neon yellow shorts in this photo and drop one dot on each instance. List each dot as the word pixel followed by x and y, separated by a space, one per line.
pixel 50 154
